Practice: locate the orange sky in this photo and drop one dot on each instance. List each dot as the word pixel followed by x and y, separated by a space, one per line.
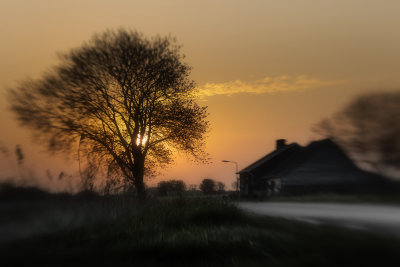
pixel 268 69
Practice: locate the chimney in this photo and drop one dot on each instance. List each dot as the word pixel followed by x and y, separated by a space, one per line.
pixel 280 143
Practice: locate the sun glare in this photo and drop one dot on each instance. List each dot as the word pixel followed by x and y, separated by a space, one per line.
pixel 141 141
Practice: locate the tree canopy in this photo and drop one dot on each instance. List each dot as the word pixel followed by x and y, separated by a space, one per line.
pixel 127 100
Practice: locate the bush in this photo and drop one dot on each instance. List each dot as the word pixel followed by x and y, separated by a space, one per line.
pixel 208 186
pixel 171 187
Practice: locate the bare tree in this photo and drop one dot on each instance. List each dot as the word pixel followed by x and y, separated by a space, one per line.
pixel 125 98
pixel 368 128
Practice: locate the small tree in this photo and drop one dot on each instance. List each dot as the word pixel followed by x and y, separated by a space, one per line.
pixel 208 186
pixel 220 187
pixel 127 100
pixel 192 187
pixel 176 187
pixel 19 155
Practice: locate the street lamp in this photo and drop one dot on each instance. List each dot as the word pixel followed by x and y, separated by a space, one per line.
pixel 237 175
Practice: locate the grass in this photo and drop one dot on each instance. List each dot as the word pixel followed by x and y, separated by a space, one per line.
pixel 201 232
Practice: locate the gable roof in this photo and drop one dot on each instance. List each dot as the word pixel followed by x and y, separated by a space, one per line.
pixel 284 160
pixel 281 153
pixel 290 159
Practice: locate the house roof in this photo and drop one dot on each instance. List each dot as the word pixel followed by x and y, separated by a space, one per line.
pixel 295 161
pixel 274 154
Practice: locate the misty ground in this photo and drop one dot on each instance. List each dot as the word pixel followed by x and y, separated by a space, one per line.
pixel 120 231
pixel 372 217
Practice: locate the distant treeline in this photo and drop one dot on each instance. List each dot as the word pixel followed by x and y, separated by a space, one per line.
pixel 10 191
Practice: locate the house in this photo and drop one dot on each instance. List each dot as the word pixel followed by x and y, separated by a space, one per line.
pixel 320 167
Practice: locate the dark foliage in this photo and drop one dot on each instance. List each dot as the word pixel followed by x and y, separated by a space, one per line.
pixel 208 186
pixel 220 187
pixel 171 187
pixel 9 191
pixel 19 154
pixel 12 192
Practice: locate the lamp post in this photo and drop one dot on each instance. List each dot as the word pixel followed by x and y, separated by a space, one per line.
pixel 237 175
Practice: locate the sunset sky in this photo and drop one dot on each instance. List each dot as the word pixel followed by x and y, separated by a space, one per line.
pixel 266 69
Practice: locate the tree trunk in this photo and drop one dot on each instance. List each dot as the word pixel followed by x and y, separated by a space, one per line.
pixel 138 178
pixel 141 191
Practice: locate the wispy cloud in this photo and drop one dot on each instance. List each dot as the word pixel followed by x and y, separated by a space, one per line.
pixel 262 86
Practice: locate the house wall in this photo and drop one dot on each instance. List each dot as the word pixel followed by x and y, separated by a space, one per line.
pixel 328 170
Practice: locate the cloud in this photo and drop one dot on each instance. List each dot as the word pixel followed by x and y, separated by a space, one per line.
pixel 263 86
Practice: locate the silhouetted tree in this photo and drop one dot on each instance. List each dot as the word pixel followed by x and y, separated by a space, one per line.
pixel 88 176
pixel 220 187
pixel 19 154
pixel 235 185
pixel 177 187
pixel 20 160
pixel 368 128
pixel 208 186
pixel 125 98
pixel 192 187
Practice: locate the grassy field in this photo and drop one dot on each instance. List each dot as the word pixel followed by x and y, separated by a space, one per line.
pixel 200 232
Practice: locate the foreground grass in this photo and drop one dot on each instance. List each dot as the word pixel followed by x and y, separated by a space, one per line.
pixel 202 233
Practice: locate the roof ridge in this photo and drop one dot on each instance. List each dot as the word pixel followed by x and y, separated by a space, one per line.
pixel 268 157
